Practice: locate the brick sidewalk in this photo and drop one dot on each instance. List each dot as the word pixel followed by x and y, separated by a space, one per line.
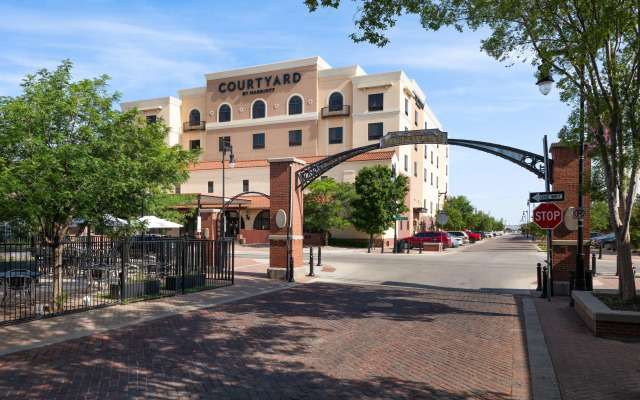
pixel 314 341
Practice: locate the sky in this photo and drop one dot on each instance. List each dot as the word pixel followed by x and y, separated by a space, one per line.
pixel 155 48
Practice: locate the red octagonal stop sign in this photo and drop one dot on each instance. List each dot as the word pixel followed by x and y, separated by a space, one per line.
pixel 547 215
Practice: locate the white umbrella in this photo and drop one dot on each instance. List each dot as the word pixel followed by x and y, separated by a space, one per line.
pixel 154 222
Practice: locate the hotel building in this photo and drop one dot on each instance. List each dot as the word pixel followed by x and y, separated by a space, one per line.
pixel 305 109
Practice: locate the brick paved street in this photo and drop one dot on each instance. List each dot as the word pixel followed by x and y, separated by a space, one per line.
pixel 316 340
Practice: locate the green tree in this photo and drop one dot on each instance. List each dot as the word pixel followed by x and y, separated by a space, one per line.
pixel 374 206
pixel 600 216
pixel 327 205
pixel 66 154
pixel 460 213
pixel 592 47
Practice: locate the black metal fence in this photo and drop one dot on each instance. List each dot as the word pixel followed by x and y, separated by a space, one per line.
pixel 95 272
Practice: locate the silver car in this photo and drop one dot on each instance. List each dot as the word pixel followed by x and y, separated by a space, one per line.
pixel 460 234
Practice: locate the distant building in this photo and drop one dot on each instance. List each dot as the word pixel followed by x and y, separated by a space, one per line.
pixel 305 109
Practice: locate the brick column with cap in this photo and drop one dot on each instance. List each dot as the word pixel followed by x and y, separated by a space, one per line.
pixel 280 184
pixel 565 236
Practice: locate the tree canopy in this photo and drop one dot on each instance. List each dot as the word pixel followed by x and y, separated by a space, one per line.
pixel 327 205
pixel 66 154
pixel 592 49
pixel 377 197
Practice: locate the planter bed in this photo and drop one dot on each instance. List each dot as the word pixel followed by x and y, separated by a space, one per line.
pixel 190 281
pixel 136 289
pixel 603 321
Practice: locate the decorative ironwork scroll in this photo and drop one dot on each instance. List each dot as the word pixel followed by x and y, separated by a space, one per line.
pixel 530 161
pixel 309 173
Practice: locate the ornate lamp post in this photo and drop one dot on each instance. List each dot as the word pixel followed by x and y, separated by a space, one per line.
pixel 232 163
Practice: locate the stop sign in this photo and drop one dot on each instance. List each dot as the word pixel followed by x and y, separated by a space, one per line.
pixel 547 215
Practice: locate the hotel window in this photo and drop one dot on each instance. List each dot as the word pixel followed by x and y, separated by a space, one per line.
pixel 432 179
pixel 425 174
pixel 432 210
pixel 335 135
pixel 258 109
pixel 194 144
pixel 437 181
pixel 210 187
pixel 446 170
pixel 415 168
pixel 151 119
pixel 258 140
pixel 295 105
pixel 177 191
pixel 438 162
pixel 295 138
pixel 245 185
pixel 224 115
pixel 406 107
pixel 406 163
pixel 335 102
pixel 425 124
pixel 224 141
pixel 425 151
pixel 446 187
pixel 447 152
pixel 415 147
pixel 375 131
pixel 194 118
pixel 376 101
pixel 432 157
pixel 416 118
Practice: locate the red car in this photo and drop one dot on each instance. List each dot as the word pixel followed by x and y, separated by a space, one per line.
pixel 473 237
pixel 429 237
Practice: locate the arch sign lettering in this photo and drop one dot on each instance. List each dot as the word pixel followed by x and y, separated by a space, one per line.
pixel 420 136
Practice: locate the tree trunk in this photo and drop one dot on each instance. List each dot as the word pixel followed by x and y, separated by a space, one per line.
pixel 57 278
pixel 326 238
pixel 626 281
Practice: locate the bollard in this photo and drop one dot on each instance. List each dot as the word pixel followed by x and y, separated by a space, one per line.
pixel 369 247
pixel 572 282
pixel 593 263
pixel 600 250
pixel 382 246
pixel 544 294
pixel 420 247
pixel 291 278
pixel 319 264
pixel 539 273
pixel 311 261
pixel 408 246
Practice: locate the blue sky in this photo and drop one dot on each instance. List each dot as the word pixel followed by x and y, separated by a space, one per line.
pixel 154 48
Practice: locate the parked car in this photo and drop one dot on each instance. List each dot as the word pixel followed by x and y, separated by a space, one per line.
pixel 461 234
pixel 456 241
pixel 483 235
pixel 474 236
pixel 608 242
pixel 429 237
pixel 596 235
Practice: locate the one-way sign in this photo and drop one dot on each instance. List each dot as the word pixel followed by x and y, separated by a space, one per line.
pixel 542 197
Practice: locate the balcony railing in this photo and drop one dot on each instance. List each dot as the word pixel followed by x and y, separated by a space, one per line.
pixel 193 126
pixel 336 111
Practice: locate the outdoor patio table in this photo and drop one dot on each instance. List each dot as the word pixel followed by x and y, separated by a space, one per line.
pixel 23 280
pixel 100 273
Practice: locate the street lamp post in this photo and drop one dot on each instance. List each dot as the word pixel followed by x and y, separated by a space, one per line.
pixel 232 163
pixel 580 283
pixel 395 212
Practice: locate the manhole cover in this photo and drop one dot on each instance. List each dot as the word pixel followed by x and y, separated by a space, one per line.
pixel 380 304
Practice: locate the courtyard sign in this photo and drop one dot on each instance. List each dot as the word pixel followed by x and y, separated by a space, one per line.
pixel 420 136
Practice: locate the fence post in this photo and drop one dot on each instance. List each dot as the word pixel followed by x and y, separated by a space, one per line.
pixel 184 262
pixel 311 261
pixel 319 264
pixel 593 263
pixel 544 294
pixel 539 274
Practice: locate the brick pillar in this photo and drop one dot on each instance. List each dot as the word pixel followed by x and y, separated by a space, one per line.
pixel 565 241
pixel 280 185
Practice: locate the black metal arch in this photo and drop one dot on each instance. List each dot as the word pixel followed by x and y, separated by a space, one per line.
pixel 225 205
pixel 527 160
pixel 311 172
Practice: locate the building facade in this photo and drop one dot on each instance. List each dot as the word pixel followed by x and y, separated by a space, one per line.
pixel 305 109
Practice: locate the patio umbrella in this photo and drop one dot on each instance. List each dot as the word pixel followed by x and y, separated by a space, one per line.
pixel 155 222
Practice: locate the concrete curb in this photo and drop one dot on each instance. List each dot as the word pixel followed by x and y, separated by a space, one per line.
pixel 544 385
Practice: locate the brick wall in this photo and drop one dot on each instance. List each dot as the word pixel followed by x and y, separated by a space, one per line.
pixel 566 178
